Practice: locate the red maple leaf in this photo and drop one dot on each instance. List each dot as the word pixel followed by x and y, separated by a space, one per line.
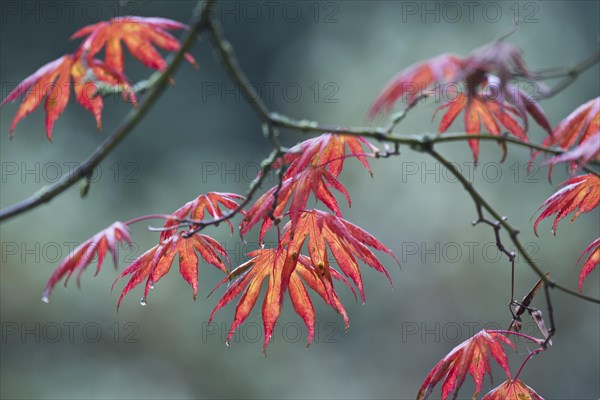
pixel 248 278
pixel 313 166
pixel 493 108
pixel 156 262
pixel 285 265
pixel 471 357
pixel 581 154
pixel 139 34
pixel 580 194
pixel 578 126
pixel 346 242
pixel 415 80
pixel 582 126
pixel 53 83
pixel 106 240
pixel 499 58
pixel 512 390
pixel 591 263
pixel 328 149
pixel 209 203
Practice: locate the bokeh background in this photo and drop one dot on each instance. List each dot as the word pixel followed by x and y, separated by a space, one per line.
pixel 319 60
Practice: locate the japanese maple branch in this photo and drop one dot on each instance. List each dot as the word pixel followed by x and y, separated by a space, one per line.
pixel 47 193
pixel 227 55
pixel 421 143
pixel 231 64
pixel 559 72
pixel 137 88
pixel 571 75
pixel 480 203
pixel 380 134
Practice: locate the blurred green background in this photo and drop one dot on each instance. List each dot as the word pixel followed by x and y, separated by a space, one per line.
pixel 319 60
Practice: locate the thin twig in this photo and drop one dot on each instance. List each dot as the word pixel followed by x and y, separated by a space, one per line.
pixel 574 71
pixel 512 232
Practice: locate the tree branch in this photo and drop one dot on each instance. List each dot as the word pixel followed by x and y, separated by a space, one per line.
pixel 420 143
pixel 480 202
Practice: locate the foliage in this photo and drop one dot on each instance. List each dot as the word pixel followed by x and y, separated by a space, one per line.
pixel 482 88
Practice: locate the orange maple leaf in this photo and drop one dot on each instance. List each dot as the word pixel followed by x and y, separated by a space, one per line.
pixel 581 193
pixel 346 242
pixel 582 126
pixel 471 357
pixel 156 262
pixel 53 83
pixel 270 263
pixel 139 34
pixel 497 59
pixel 285 265
pixel 313 166
pixel 106 240
pixel 494 109
pixel 328 149
pixel 591 263
pixel 196 209
pixel 512 390
pixel 581 154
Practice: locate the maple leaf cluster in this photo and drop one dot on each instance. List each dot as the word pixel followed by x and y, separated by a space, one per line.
pixel 487 97
pixel 490 101
pixel 312 166
pixel 52 81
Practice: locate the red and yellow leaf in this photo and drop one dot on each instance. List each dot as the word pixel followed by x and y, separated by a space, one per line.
pixel 140 36
pixel 512 390
pixel 469 357
pixel 498 61
pixel 327 150
pixel 581 128
pixel 480 110
pixel 592 261
pixel 105 240
pixel 247 279
pixel 346 242
pixel 313 166
pixel 414 81
pixel 287 269
pixel 580 194
pixel 156 262
pixel 493 106
pixel 53 83
pixel 209 203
